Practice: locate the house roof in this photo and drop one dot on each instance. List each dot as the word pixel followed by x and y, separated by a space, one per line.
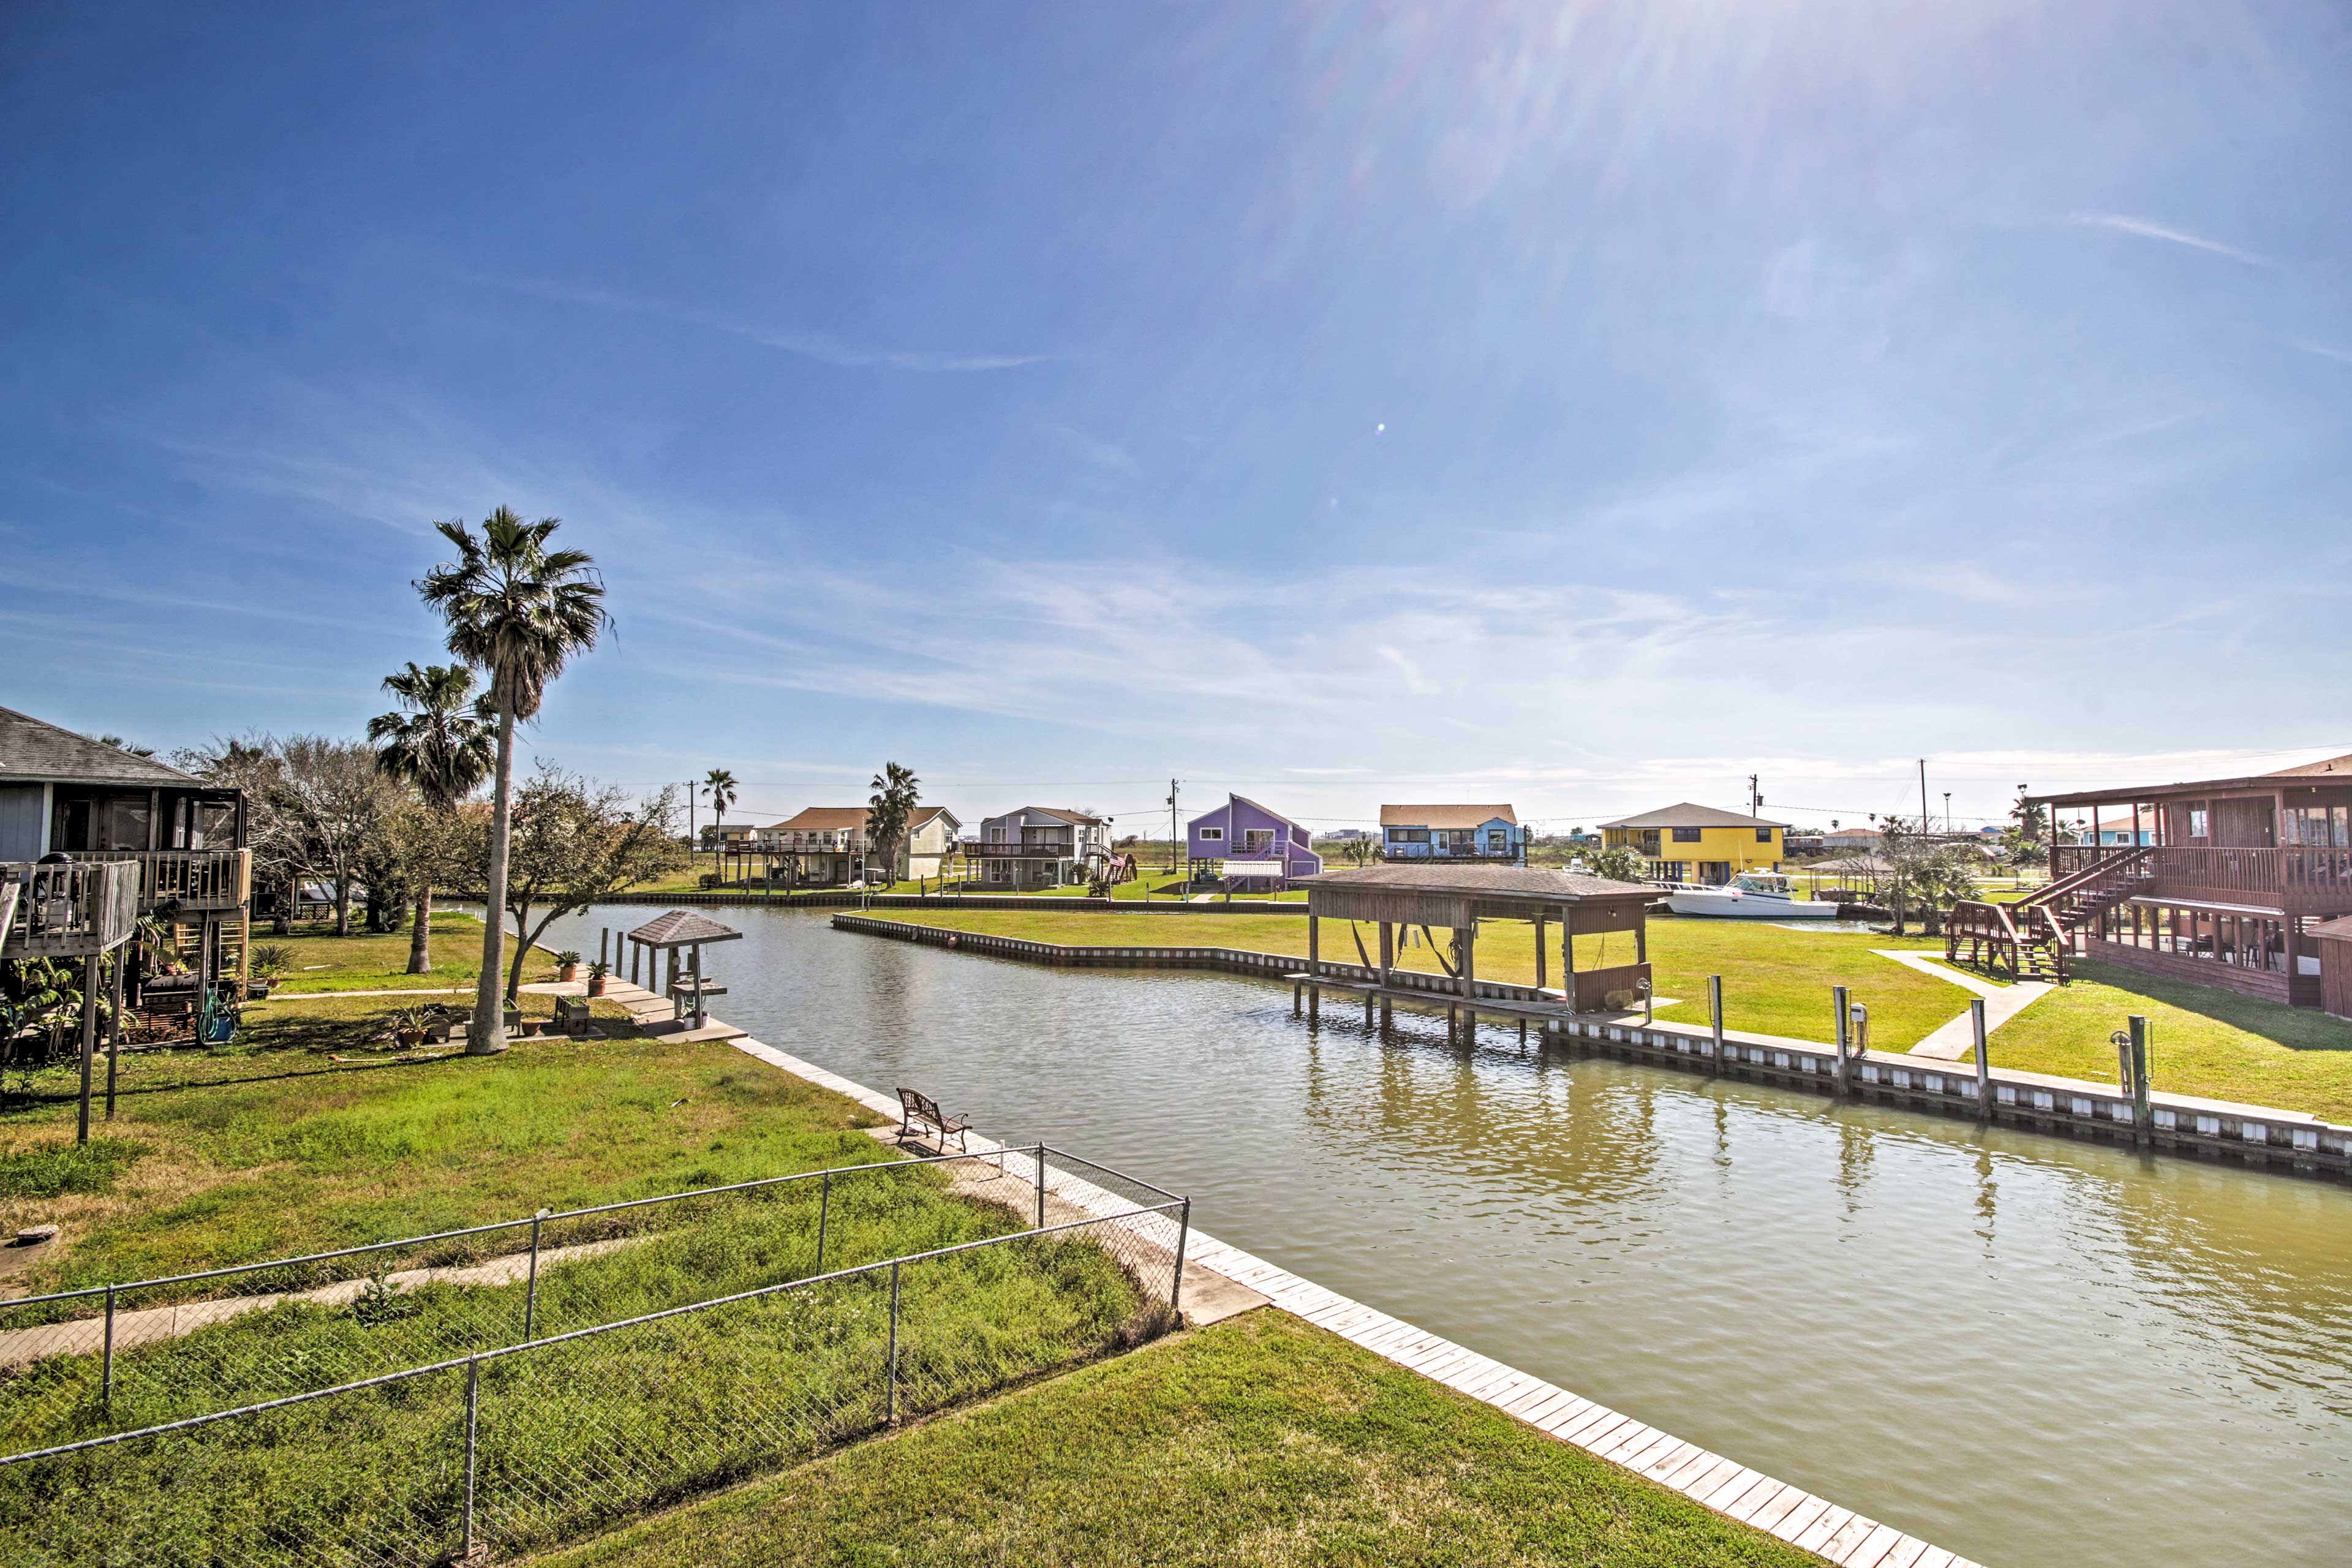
pixel 2328 769
pixel 1446 816
pixel 823 819
pixel 923 814
pixel 1688 815
pixel 1080 817
pixel 681 927
pixel 1534 883
pixel 2337 929
pixel 33 751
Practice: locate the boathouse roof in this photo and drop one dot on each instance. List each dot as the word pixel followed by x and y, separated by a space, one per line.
pixel 1457 895
pixel 681 927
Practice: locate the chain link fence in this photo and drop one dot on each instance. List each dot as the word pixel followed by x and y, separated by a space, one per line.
pixel 121 1357
pixel 516 1447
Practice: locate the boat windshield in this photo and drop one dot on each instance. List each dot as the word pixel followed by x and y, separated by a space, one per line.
pixel 1754 883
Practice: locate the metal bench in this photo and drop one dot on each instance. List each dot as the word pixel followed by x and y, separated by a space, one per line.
pixel 918 1110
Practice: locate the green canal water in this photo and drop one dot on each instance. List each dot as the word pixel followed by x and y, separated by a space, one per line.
pixel 2028 1350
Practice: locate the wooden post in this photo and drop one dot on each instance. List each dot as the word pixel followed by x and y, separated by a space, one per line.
pixel 1469 981
pixel 697 984
pixel 1837 1003
pixel 1540 953
pixel 1388 970
pixel 114 1027
pixel 1714 1016
pixel 1567 956
pixel 2143 1113
pixel 1314 966
pixel 1983 1058
pixel 89 1037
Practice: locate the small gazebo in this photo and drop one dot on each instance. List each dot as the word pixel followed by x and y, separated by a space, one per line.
pixel 679 930
pixel 1401 894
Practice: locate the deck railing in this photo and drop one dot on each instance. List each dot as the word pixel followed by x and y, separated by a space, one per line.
pixel 1050 850
pixel 2301 879
pixel 72 910
pixel 193 878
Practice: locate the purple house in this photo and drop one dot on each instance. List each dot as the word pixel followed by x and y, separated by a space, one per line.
pixel 1253 843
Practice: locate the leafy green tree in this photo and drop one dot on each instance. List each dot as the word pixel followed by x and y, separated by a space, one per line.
pixel 520 612
pixel 2026 840
pixel 897 793
pixel 571 844
pixel 441 743
pixel 1617 862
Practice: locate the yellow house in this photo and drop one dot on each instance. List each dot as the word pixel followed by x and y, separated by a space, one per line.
pixel 1690 843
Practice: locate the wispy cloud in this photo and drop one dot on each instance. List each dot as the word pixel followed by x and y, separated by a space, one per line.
pixel 2142 228
pixel 2323 350
pixel 819 346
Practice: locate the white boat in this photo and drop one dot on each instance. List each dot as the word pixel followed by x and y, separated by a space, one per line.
pixel 1754 896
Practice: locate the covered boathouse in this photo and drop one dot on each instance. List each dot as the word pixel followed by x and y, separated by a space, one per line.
pixel 1395 896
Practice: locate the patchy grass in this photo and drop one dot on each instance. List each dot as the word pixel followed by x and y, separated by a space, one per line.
pixel 2207 1042
pixel 269 1146
pixel 325 961
pixel 1776 980
pixel 1262 1441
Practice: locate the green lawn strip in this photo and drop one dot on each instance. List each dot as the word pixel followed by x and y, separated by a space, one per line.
pixel 1775 981
pixel 2205 1041
pixel 323 961
pixel 269 1148
pixel 586 1432
pixel 1262 1440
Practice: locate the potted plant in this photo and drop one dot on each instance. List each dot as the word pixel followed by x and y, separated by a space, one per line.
pixel 268 962
pixel 531 1027
pixel 408 1026
pixel 567 965
pixel 597 969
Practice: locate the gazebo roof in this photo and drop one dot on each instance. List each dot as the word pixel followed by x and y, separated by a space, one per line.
pixel 681 927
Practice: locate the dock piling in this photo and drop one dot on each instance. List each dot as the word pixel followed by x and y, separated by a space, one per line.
pixel 1715 1017
pixel 1983 1060
pixel 1837 1005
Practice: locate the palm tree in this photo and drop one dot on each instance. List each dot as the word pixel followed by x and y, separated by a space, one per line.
pixel 721 785
pixel 887 813
pixel 520 612
pixel 442 744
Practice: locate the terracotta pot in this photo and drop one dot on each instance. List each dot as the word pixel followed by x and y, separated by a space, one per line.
pixel 409 1038
pixel 596 986
pixel 568 974
pixel 530 1026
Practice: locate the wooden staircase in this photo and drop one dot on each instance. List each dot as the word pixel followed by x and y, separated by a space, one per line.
pixel 2032 938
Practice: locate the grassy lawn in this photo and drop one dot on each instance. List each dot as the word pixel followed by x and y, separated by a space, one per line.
pixel 1262 1440
pixel 1776 980
pixel 268 1147
pixel 2204 1041
pixel 323 961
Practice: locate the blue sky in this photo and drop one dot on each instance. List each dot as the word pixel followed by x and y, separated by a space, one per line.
pixel 1584 407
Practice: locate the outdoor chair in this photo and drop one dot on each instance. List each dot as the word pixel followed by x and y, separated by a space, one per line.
pixel 918 1110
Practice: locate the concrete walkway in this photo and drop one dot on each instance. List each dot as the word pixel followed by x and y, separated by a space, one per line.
pixel 1956 1040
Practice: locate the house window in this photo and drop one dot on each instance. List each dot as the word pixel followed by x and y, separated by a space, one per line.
pixel 1498 841
pixel 1687 834
pixel 1212 834
pixel 1408 835
pixel 1763 835
pixel 1255 839
pixel 2197 822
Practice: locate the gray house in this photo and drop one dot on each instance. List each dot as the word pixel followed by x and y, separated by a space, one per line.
pixel 1037 847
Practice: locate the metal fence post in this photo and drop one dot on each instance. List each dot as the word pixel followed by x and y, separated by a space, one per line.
pixel 1984 1059
pixel 106 1384
pixel 891 1417
pixel 1837 1001
pixel 531 1291
pixel 823 1212
pixel 473 1421
pixel 1183 1236
pixel 1041 1186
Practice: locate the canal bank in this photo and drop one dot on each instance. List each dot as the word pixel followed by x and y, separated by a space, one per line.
pixel 2262 1137
pixel 1940 1322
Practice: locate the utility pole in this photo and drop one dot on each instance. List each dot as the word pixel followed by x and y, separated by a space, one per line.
pixel 1172 787
pixel 1754 798
pixel 1948 811
pixel 1923 794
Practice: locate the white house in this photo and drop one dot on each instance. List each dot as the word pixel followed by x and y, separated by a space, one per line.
pixel 1037 847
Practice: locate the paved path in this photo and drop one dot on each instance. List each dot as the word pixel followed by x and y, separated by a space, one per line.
pixel 1956 1040
pixel 1721 1485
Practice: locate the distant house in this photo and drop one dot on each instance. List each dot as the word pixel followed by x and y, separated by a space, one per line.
pixel 729 833
pixel 1037 847
pixel 1850 840
pixel 1249 842
pixel 1452 833
pixel 1688 843
pixel 930 842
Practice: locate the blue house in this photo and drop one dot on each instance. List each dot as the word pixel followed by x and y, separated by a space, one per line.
pixel 1251 843
pixel 1453 833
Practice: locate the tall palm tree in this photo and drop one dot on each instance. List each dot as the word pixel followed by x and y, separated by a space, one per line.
pixel 442 743
pixel 721 785
pixel 520 612
pixel 888 811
